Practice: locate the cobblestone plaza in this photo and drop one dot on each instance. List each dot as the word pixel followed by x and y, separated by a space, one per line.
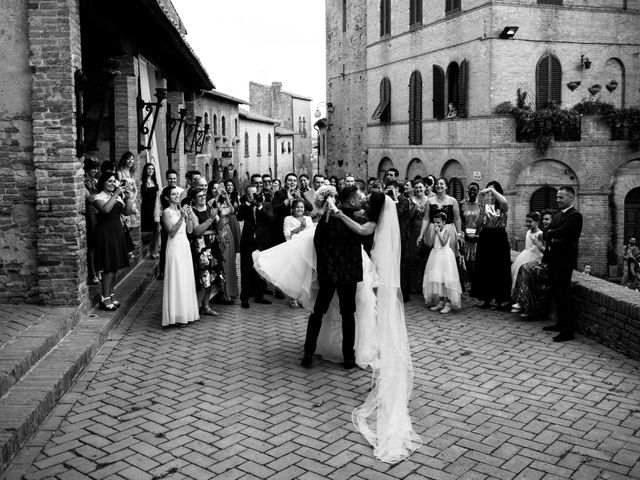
pixel 225 398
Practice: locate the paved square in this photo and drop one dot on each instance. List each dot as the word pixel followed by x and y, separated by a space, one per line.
pixel 225 398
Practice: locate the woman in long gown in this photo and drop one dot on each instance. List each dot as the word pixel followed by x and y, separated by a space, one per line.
pixel 179 300
pixel 149 192
pixel 416 258
pixel 381 337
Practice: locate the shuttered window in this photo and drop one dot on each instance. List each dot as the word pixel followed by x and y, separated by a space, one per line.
pixel 383 110
pixel 543 199
pixel 259 145
pixel 215 125
pixel 415 109
pixel 438 92
pixel 415 12
pixel 223 124
pixel 548 81
pixel 451 5
pixel 269 144
pixel 456 189
pixel 463 75
pixel 246 144
pixel 385 17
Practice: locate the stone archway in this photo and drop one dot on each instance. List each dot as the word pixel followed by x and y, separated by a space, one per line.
pixel 454 172
pixel 626 180
pixel 416 167
pixel 384 165
pixel 632 215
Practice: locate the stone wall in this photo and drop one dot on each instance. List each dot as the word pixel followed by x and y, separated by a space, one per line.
pixel 607 312
pixel 18 228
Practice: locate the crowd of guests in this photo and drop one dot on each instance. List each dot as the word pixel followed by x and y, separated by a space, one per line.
pixel 448 247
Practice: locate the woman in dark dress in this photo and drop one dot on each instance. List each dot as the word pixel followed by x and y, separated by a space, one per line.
pixel 110 253
pixel 417 254
pixel 442 202
pixel 492 275
pixel 205 249
pixel 149 191
pixel 91 170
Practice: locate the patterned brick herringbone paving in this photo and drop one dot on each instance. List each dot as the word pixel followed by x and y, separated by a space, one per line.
pixel 225 398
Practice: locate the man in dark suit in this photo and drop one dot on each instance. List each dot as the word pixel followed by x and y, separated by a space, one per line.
pixel 561 255
pixel 339 269
pixel 255 236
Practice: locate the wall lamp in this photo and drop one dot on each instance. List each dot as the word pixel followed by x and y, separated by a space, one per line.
pixel 172 123
pixel 190 134
pixel 145 111
pixel 508 32
pixel 202 134
pixel 585 62
pixel 318 113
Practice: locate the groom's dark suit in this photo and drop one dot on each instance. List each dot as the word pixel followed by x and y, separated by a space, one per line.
pixel 339 268
pixel 561 255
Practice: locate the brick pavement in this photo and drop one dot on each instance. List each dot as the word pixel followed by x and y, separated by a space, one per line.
pixel 494 398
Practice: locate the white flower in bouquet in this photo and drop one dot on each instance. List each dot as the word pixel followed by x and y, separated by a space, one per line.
pixel 320 196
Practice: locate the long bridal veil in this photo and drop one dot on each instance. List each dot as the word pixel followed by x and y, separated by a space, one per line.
pixel 384 418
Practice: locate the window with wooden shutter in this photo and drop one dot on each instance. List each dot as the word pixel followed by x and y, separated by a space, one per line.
pixel 415 12
pixel 246 144
pixel 385 17
pixel 463 75
pixel 269 144
pixel 438 92
pixel 544 199
pixel 452 84
pixel 383 110
pixel 215 125
pixel 415 109
pixel 259 145
pixel 451 6
pixel 548 81
pixel 456 188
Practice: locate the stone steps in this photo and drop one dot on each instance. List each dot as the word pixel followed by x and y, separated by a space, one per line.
pixel 41 363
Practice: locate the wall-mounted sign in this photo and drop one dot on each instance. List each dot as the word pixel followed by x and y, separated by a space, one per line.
pixel 227 154
pixel 477 175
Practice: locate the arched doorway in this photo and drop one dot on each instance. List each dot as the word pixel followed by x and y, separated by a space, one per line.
pixel 215 169
pixel 416 168
pixel 384 165
pixel 454 172
pixel 632 214
pixel 544 198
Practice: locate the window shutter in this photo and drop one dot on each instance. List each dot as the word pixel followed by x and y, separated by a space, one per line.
pixel 542 82
pixel 555 80
pixel 438 92
pixel 456 189
pixel 386 95
pixel 415 109
pixel 542 199
pixel 462 89
pixel 385 17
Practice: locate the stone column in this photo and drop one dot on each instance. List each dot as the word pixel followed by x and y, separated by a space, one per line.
pixel 54 40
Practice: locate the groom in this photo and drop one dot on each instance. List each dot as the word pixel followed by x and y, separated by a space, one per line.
pixel 339 268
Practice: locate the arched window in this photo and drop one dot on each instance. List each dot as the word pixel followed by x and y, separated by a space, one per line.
pixel 206 172
pixel 259 145
pixel 383 110
pixel 223 124
pixel 216 169
pixel 384 165
pixel 288 147
pixel 235 121
pixel 456 188
pixel 282 147
pixel 385 17
pixel 416 168
pixel 548 81
pixel 246 144
pixel 632 214
pixel 269 144
pixel 543 198
pixel 415 12
pixel 415 109
pixel 215 124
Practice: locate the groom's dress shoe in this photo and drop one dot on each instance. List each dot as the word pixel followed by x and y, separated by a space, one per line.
pixel 563 337
pixel 307 360
pixel 349 364
pixel 552 328
pixel 244 304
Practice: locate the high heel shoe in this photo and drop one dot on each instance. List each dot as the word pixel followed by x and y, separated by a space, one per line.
pixel 107 305
pixel 114 301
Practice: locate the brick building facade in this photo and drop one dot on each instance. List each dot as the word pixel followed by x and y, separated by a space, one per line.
pixel 74 75
pixel 394 66
pixel 292 112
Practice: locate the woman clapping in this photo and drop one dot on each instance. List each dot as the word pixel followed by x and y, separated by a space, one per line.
pixel 179 301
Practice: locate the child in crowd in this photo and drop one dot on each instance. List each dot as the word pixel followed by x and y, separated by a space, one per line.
pixel 441 283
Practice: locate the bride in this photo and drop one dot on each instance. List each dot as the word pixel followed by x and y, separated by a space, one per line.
pixel 381 341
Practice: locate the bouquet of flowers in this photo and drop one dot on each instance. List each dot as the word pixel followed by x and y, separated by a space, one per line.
pixel 320 197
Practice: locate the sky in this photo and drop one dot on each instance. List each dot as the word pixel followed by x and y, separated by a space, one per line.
pixel 239 41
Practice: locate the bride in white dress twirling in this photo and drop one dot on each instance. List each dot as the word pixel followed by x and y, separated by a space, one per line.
pixel 381 338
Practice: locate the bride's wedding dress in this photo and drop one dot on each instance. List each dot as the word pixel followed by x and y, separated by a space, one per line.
pixel 381 337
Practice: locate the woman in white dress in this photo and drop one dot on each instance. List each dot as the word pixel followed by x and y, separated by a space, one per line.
pixel 179 300
pixel 293 224
pixel 381 337
pixel 533 250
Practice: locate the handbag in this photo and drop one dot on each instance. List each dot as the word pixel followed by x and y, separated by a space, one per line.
pixel 127 238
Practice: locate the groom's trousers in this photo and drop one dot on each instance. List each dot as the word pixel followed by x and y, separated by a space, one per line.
pixel 347 298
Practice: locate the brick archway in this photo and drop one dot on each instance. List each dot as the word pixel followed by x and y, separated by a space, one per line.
pixel 626 178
